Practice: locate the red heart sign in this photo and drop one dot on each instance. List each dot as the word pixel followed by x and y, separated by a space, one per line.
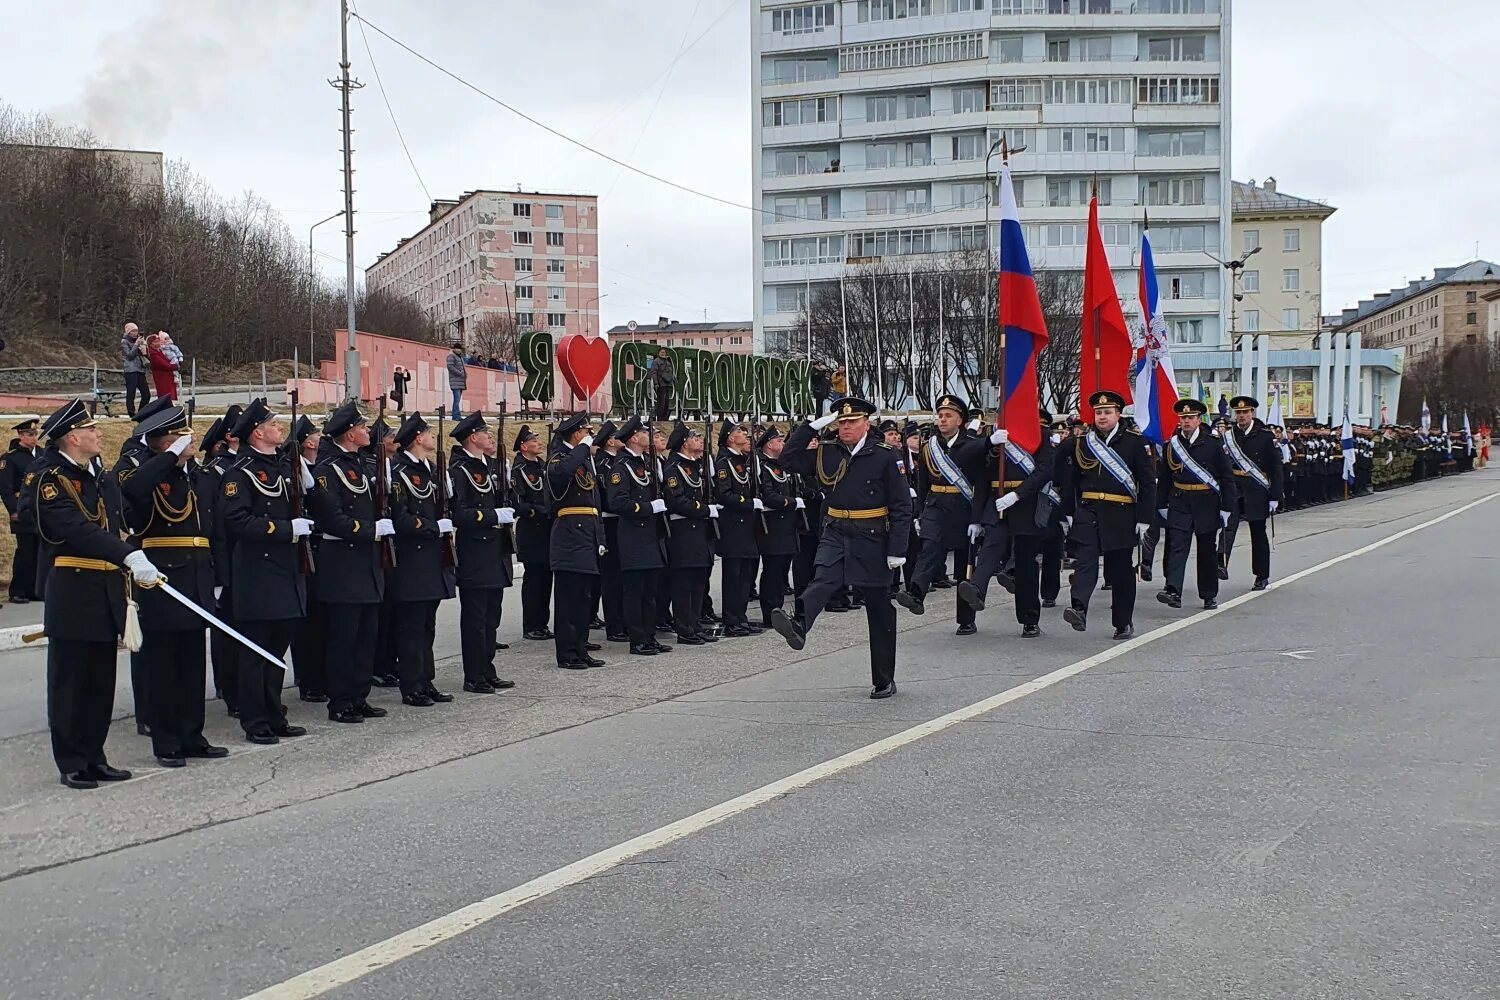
pixel 584 363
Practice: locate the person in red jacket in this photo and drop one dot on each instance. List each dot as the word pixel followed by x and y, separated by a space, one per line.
pixel 163 369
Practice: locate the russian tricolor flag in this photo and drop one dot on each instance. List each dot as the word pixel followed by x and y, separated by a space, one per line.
pixel 1155 381
pixel 1021 324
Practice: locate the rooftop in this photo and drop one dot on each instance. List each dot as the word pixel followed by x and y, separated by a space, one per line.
pixel 1475 270
pixel 1255 200
pixel 665 325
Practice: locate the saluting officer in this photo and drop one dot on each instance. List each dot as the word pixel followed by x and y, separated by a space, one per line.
pixel 424 576
pixel 22 455
pixel 634 496
pixel 76 519
pixel 268 592
pixel 1257 473
pixel 484 553
pixel 1015 515
pixel 688 491
pixel 171 518
pixel 1110 496
pixel 528 487
pixel 577 542
pixel 1196 493
pixel 864 531
pixel 350 580
pixel 734 495
pixel 782 512
pixel 310 643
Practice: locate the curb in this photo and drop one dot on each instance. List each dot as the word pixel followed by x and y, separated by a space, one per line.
pixel 10 638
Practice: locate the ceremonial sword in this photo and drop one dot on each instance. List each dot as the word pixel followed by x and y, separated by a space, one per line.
pixel 198 610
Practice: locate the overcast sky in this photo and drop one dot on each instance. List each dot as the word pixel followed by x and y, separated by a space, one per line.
pixel 1387 115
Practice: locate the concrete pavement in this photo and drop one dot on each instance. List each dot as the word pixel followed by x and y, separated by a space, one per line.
pixel 1204 814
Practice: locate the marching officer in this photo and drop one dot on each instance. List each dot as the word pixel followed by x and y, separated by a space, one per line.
pixel 634 496
pixel 1197 494
pixel 169 515
pixel 780 521
pixel 660 457
pixel 864 531
pixel 533 508
pixel 269 595
pixel 1110 496
pixel 577 542
pixel 1257 474
pixel 22 455
pixel 81 554
pixel 688 491
pixel 425 559
pixel 1014 515
pixel 350 580
pixel 734 493
pixel 484 553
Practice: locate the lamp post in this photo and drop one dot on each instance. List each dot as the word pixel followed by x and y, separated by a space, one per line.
pixel 587 329
pixel 312 356
pixel 1235 268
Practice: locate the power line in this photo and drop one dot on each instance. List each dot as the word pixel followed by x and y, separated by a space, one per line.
pixel 389 110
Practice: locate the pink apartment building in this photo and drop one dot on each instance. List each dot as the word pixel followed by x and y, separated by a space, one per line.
pixel 499 253
pixel 732 338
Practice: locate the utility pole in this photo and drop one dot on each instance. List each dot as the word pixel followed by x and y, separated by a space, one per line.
pixel 346 85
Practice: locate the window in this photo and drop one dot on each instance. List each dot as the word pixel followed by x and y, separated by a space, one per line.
pixel 1250 281
pixel 1177 90
pixel 897 154
pixel 804 250
pixel 897 107
pixel 808 111
pixel 732 340
pixel 800 70
pixel 1115 234
pixel 1183 48
pixel 1008 49
pixel 523 291
pixel 1076 191
pixel 1015 95
pixel 801 207
pixel 1471 297
pixel 1186 331
pixel 1250 240
pixel 892 10
pixel 1187 286
pixel 793 162
pixel 1088 92
pixel 968 100
pixel 1059 51
pixel 555 267
pixel 523 265
pixel 557 321
pixel 969 147
pixel 521 209
pixel 1180 239
pixel 802 20
pixel 555 295
pixel 968 195
pixel 1291 319
pixel 1175 191
pixel 1472 318
pixel 554 211
pixel 1291 280
pixel 790 298
pixel 524 319
pixel 554 239
pixel 1291 240
pixel 1192 143
pixel 926 51
pixel 522 237
pixel 1252 321
pixel 1085 140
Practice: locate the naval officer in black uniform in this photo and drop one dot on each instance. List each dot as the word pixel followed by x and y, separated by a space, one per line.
pixel 780 519
pixel 1196 493
pixel 688 491
pixel 577 542
pixel 424 574
pixel 484 552
pixel 634 496
pixel 533 508
pixel 22 455
pixel 1256 459
pixel 865 522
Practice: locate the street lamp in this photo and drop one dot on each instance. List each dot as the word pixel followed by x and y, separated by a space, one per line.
pixel 586 320
pixel 1234 267
pixel 311 355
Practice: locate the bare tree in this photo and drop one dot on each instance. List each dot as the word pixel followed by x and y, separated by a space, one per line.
pixel 495 335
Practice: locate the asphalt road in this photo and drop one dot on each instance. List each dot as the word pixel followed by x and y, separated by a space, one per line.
pixel 1291 797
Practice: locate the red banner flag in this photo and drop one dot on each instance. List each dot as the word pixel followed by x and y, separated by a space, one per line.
pixel 1106 340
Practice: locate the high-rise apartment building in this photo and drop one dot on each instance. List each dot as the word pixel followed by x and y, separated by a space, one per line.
pixel 525 256
pixel 875 120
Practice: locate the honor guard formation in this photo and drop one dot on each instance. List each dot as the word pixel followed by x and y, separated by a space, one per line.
pixel 338 543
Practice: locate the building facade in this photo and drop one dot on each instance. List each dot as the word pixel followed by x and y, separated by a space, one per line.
pixel 729 337
pixel 875 120
pixel 525 257
pixel 1430 314
pixel 140 168
pixel 1282 281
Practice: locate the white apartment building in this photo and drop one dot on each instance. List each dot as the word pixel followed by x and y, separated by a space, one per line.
pixel 875 118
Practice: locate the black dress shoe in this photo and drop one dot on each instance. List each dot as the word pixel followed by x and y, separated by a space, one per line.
pixel 1145 573
pixel 968 628
pixel 617 636
pixel 592 647
pixel 708 637
pixel 20 600
pixel 665 627
pixel 1223 568
pixel 970 595
pixel 78 779
pixel 348 715
pixel 264 737
pixel 1006 580
pixel 103 772
pixel 206 752
pixel 911 602
pixel 942 584
pixel 478 687
pixel 788 629
pixel 385 681
pixel 596 622
pixel 141 729
pixel 689 640
pixel 499 683
pixel 571 665
pixel 233 711
pixel 369 711
pixel 436 695
pixel 501 645
pixel 1210 604
pixel 539 634
pixel 753 628
pixel 1049 603
pixel 417 700
pixel 593 661
pixel 1261 582
pixel 839 608
pixel 661 648
pixel 1124 633
pixel 171 760
pixel 737 632
pixel 884 692
pixel 1078 619
pixel 317 697
pixel 1169 598
pixel 712 618
pixel 1030 631
pixel 639 650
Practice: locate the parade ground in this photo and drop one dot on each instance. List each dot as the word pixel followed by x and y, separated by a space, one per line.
pixel 1292 796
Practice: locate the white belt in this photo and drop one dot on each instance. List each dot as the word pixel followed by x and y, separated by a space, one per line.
pixel 329 538
pixel 605 513
pixel 676 517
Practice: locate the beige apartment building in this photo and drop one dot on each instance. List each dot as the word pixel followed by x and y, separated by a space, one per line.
pixel 1282 282
pixel 1429 314
pixel 735 337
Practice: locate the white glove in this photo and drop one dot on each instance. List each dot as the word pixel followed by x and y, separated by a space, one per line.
pixel 307 476
pixel 448 482
pixel 1162 513
pixel 974 424
pixel 384 528
pixel 801 504
pixel 823 422
pixel 1224 518
pixel 602 550
pixel 218 593
pixel 507 515
pixel 301 527
pixel 974 532
pixel 1000 436
pixel 916 525
pixel 1275 504
pixel 1006 502
pixel 141 569
pixel 588 442
pixel 658 506
pixel 445 526
pixel 180 445
pixel 912 490
pixel 713 510
pixel 1067 524
pixel 758 504
pixel 1140 529
pixel 895 562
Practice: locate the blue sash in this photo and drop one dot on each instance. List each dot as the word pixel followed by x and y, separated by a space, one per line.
pixel 1106 457
pixel 1021 458
pixel 950 470
pixel 1232 445
pixel 1199 473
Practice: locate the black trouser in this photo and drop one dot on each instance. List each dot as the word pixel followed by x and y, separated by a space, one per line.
pixel 663 400
pixel 136 382
pixel 352 631
pixel 385 641
pixel 1119 573
pixel 1178 540
pixel 612 594
pixel 1260 546
pixel 804 564
pixel 414 630
pixel 930 565
pixel 1025 551
pixel 663 597
pixel 175 661
pixel 260 683
pixel 638 590
pixel 23 565
pixel 140 688
pixel 880 618
pixel 571 611
pixel 478 620
pixel 773 578
pixel 309 646
pixel 688 585
pixel 1149 541
pixel 80 700
pixel 226 655
pixel 736 577
pixel 1052 556
pixel 536 595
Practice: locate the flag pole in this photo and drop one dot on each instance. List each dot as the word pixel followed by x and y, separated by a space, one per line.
pixel 999 312
pixel 1094 313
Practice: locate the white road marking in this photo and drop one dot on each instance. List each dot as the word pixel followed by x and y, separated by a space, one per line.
pixel 356 965
pixel 1298 654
